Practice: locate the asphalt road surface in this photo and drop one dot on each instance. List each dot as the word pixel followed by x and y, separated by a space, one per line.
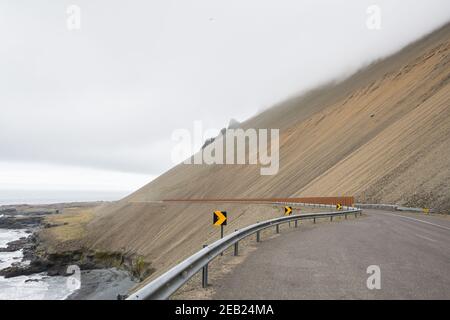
pixel 330 261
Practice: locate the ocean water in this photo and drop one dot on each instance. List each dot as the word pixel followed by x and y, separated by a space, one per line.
pixel 33 287
pixel 8 235
pixel 10 197
pixel 8 258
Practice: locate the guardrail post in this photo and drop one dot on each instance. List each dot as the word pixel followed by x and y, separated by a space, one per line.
pixel 258 237
pixel 314 219
pixel 278 228
pixel 205 273
pixel 331 218
pixel 345 216
pixel 296 223
pixel 221 236
pixel 236 245
pixel 356 214
pixel 360 213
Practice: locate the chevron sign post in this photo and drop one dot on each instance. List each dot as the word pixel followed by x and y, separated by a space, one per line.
pixel 220 220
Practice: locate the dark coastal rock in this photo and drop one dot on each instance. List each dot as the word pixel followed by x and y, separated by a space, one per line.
pixel 54 264
pixel 36 266
pixel 41 212
pixel 32 280
pixel 15 271
pixel 8 211
pixel 14 222
pixel 15 245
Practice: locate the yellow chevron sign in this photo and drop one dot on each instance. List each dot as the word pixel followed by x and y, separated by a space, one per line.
pixel 219 218
pixel 339 206
pixel 287 210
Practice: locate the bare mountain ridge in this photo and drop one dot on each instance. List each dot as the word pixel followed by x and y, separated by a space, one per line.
pixel 322 128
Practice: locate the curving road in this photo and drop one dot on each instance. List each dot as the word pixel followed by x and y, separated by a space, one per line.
pixel 330 260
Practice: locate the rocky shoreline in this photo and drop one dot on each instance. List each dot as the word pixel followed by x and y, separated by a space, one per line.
pixel 28 245
pixel 100 273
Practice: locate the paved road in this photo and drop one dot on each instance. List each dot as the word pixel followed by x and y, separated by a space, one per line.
pixel 330 260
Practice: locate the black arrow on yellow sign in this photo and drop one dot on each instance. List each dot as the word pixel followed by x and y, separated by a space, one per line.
pixel 219 218
pixel 287 210
pixel 338 206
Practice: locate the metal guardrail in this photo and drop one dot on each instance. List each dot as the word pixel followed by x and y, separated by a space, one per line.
pixel 169 282
pixel 392 207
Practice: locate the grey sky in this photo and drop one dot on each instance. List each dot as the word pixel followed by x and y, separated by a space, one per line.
pixel 108 96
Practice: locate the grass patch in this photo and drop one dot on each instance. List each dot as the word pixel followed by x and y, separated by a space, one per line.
pixel 70 225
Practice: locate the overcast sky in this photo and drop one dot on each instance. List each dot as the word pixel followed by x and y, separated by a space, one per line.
pixel 95 108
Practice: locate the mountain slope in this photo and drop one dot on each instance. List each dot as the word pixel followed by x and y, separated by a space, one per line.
pixel 320 130
pixel 382 135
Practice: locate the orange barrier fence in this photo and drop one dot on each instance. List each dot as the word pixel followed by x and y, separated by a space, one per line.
pixel 345 201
